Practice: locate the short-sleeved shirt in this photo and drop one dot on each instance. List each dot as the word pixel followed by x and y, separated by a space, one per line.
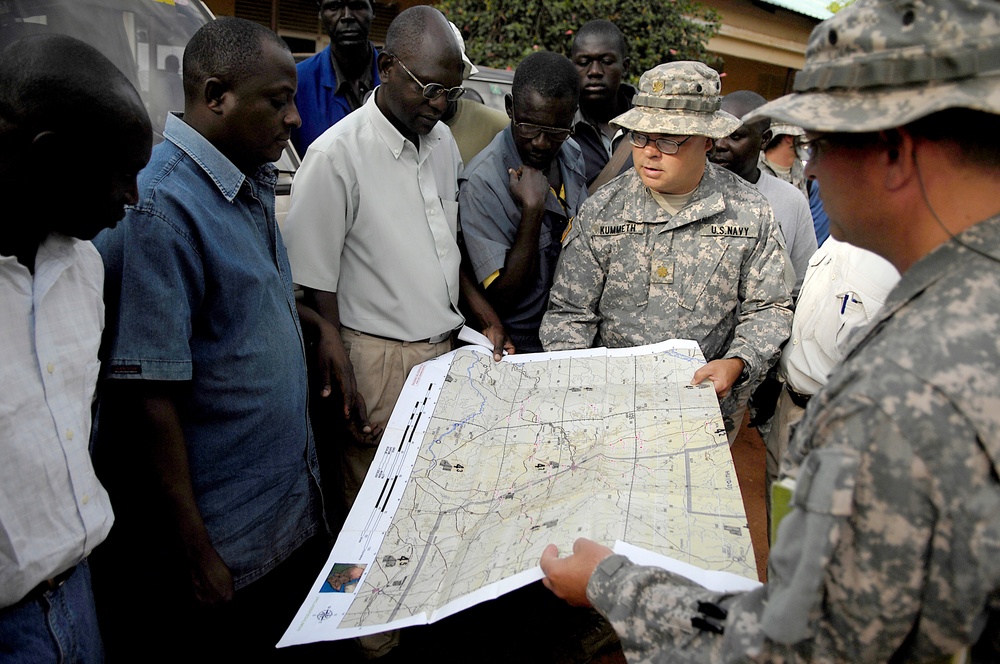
pixel 320 102
pixel 374 219
pixel 200 290
pixel 844 289
pixel 791 211
pixel 489 218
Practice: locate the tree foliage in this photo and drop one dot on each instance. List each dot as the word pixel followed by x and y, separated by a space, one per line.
pixel 500 33
pixel 837 5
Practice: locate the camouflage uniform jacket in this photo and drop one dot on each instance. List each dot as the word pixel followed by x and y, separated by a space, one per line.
pixel 893 549
pixel 716 272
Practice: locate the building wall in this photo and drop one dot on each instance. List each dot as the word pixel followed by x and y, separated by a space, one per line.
pixel 761 46
pixel 298 20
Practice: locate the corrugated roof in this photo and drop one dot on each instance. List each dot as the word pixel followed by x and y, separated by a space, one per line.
pixel 814 8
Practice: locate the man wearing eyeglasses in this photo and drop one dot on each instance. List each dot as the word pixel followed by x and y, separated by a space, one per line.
pixel 371 232
pixel 518 197
pixel 677 248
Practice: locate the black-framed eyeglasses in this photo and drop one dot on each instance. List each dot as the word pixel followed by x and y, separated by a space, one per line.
pixel 529 131
pixel 664 145
pixel 432 90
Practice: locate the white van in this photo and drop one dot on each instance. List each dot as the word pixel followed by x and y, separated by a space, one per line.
pixel 144 38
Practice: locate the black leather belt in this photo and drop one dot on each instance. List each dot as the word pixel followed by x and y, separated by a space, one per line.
pixel 799 399
pixel 49 585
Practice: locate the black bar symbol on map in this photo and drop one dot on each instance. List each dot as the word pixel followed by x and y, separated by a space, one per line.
pixel 388 495
pixel 383 492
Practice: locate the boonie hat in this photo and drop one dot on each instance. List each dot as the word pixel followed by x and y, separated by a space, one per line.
pixel 880 64
pixel 785 129
pixel 681 99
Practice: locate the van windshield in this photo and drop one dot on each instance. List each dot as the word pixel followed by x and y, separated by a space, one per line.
pixel 144 38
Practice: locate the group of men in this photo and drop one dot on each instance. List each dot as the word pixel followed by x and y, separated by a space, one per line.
pixel 202 435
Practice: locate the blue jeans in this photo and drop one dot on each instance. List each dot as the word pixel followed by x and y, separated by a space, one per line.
pixel 55 626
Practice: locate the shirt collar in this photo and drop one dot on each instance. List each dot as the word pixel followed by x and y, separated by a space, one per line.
pixel 367 79
pixel 567 155
pixel 623 100
pixel 55 253
pixel 569 158
pixel 394 140
pixel 224 173
pixel 942 260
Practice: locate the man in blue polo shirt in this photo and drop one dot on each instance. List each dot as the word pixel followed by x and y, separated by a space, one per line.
pixel 336 80
pixel 519 195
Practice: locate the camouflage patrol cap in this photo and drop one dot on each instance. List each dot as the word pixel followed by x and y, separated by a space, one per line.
pixel 880 64
pixel 681 99
pixel 785 129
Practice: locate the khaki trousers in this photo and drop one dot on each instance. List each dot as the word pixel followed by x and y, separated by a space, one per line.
pixel 786 415
pixel 380 369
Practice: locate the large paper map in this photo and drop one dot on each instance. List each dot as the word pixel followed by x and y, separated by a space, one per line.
pixel 485 463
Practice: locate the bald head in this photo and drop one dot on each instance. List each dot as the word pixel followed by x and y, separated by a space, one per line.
pixel 71 124
pixel 422 31
pixel 420 49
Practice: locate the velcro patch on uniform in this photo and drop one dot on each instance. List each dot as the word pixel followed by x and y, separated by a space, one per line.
pixel 661 273
pixel 728 230
pixel 617 229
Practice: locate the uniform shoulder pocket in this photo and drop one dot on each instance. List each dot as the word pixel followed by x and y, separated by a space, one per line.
pixel 807 538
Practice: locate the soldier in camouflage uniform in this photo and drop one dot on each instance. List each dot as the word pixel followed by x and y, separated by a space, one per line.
pixel 713 269
pixel 892 549
pixel 783 136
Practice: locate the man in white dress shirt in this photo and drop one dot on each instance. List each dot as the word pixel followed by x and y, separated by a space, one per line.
pixel 371 232
pixel 73 136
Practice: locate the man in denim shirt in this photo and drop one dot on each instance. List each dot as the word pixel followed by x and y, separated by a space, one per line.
pixel 203 426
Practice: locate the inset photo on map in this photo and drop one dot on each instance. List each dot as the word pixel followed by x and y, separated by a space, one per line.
pixel 343 578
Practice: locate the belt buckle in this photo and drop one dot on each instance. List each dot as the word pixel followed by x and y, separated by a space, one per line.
pixel 54 583
pixel 439 338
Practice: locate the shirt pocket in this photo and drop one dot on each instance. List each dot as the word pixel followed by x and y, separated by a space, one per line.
pixel 450 209
pixel 626 260
pixel 706 275
pixel 807 537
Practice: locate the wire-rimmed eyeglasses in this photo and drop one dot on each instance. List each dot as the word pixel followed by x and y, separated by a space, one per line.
pixel 432 90
pixel 531 131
